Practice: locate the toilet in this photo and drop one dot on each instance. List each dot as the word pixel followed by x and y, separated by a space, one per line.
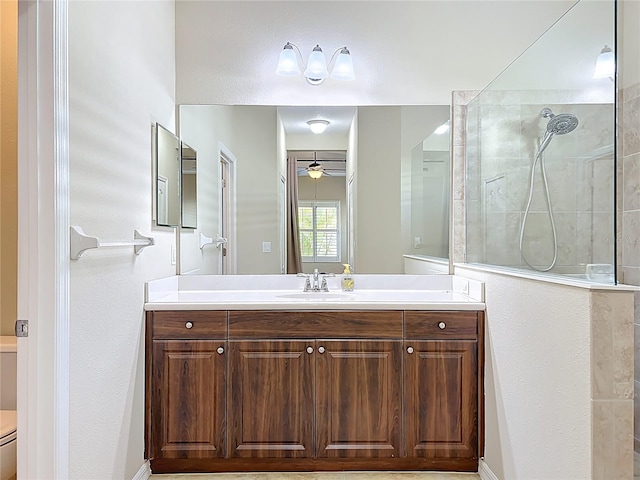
pixel 8 399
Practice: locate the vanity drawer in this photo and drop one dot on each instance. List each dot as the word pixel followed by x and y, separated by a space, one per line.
pixel 190 324
pixel 315 324
pixel 441 325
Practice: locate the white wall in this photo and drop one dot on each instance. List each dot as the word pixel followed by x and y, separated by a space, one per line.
pixel 202 127
pixel 121 81
pixel 537 378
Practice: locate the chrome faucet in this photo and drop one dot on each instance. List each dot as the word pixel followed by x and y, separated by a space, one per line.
pixel 316 281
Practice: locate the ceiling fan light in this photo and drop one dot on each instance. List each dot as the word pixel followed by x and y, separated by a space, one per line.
pixel 318 126
pixel 343 68
pixel 288 62
pixel 315 174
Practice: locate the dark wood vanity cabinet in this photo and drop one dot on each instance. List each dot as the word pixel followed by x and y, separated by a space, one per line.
pixel 271 408
pixel 441 384
pixel 359 398
pixel 186 385
pixel 325 390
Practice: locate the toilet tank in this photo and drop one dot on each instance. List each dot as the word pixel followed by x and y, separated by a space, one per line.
pixel 8 372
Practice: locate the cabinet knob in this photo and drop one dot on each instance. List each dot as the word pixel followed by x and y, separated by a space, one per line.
pixel 321 349
pixel 442 325
pixel 409 349
pixel 309 349
pixel 188 325
pixel 220 350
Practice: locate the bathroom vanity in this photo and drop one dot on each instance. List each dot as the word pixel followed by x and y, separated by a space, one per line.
pixel 296 382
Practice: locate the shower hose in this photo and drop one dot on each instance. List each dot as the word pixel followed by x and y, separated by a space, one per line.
pixel 545 184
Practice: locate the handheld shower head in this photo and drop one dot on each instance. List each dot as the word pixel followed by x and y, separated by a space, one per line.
pixel 558 125
pixel 562 123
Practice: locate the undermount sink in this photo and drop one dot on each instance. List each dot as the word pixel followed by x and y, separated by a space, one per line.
pixel 317 296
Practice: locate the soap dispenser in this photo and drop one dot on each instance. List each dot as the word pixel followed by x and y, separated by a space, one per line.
pixel 347 278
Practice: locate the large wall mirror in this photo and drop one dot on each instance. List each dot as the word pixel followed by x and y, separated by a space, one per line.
pixel 379 178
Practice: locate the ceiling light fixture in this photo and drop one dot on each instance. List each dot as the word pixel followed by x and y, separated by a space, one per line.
pixel 444 128
pixel 315 170
pixel 316 70
pixel 318 126
pixel 605 65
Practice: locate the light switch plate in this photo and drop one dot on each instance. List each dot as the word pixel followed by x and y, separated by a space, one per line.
pixel 266 247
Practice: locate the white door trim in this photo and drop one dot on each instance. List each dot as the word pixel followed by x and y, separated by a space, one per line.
pixel 226 155
pixel 43 239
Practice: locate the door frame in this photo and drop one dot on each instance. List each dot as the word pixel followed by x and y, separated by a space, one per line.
pixel 225 155
pixel 43 239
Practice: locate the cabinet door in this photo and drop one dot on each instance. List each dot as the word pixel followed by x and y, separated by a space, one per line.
pixel 271 410
pixel 188 399
pixel 359 398
pixel 441 399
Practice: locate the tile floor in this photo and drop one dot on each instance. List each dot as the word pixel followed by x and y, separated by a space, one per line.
pixel 323 476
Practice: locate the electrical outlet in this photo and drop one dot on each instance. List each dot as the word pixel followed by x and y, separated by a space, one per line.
pixel 266 247
pixel 173 254
pixel 465 287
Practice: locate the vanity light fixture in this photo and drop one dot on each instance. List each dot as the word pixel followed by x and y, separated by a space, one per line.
pixel 316 70
pixel 606 64
pixel 318 126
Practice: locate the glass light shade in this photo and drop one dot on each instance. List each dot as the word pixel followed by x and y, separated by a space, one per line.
pixel 343 68
pixel 315 174
pixel 444 128
pixel 318 126
pixel 288 62
pixel 605 65
pixel 317 65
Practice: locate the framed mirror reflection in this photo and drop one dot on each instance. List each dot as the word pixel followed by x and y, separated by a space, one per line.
pixel 375 197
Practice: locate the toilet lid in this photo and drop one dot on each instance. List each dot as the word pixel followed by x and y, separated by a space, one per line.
pixel 7 425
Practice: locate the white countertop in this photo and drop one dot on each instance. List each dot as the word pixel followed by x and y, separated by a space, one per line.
pixel 285 292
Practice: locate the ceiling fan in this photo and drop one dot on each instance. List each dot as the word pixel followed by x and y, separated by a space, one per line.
pixel 315 170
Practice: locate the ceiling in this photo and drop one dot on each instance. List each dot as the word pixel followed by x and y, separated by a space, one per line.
pixel 404 52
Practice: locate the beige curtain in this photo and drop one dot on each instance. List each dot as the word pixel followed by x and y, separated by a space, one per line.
pixel 294 259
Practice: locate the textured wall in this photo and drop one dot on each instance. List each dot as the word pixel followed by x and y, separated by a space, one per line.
pixel 537 379
pixel 121 81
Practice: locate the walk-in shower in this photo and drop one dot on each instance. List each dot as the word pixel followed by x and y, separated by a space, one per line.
pixel 540 175
pixel 560 124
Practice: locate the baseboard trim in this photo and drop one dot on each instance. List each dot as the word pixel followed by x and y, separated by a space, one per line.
pixel 144 472
pixel 485 472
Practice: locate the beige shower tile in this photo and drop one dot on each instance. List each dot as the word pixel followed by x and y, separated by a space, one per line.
pixel 602 440
pixel 631 92
pixel 602 364
pixel 463 97
pixel 458 124
pixel 623 345
pixel 630 239
pixel 631 182
pixel 623 439
pixel 631 127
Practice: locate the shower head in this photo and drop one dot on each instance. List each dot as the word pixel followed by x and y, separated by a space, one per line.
pixel 562 123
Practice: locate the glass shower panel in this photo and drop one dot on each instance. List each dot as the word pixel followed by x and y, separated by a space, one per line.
pixel 540 156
